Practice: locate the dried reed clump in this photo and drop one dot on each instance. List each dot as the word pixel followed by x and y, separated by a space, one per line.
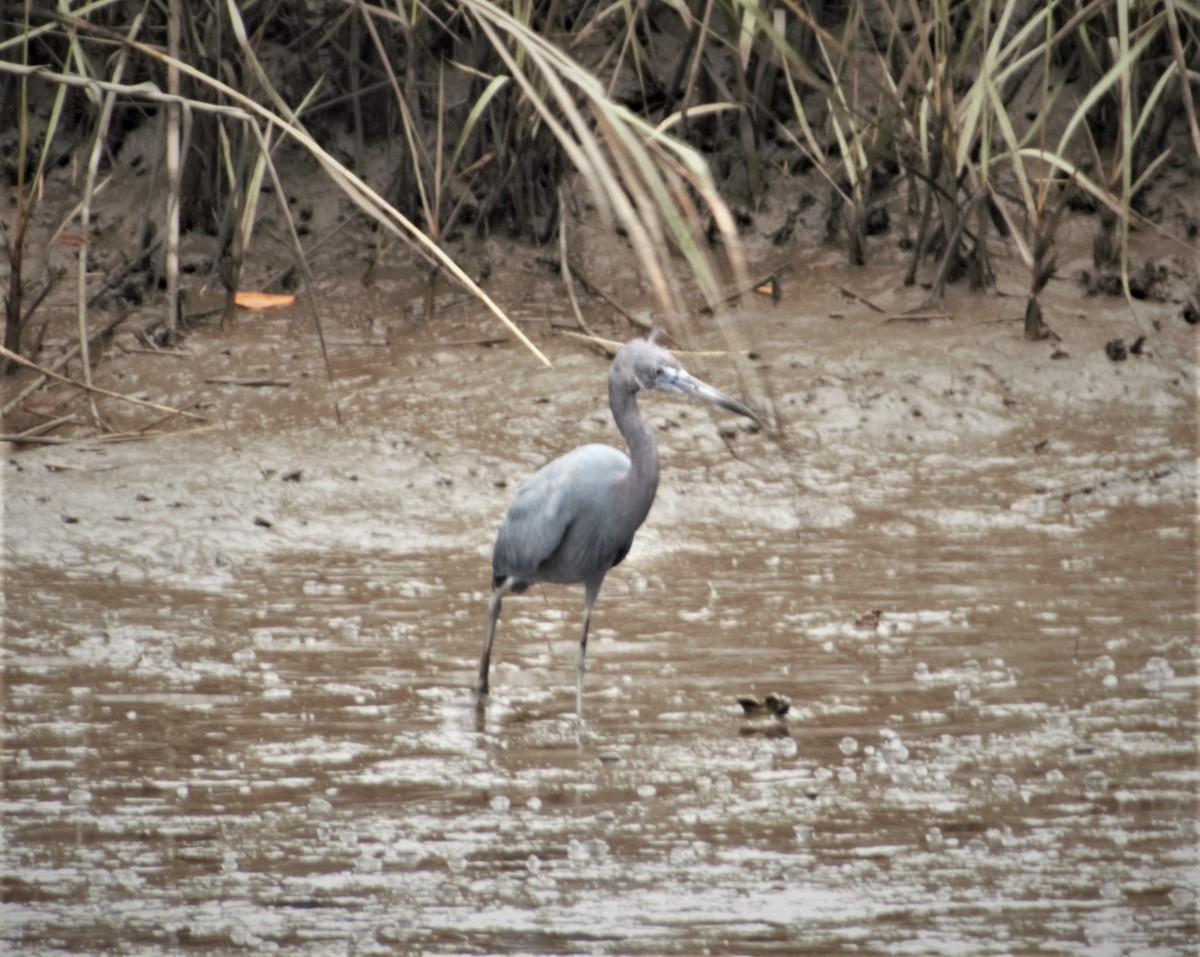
pixel 971 117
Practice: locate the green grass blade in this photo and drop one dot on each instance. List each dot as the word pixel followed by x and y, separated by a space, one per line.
pixel 478 108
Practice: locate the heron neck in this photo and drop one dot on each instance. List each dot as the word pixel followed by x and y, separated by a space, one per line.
pixel 642 481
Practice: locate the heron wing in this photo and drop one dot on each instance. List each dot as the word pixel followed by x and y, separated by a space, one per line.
pixel 568 496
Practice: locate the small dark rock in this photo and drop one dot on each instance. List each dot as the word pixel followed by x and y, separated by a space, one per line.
pixel 878 220
pixel 1154 282
pixel 772 704
pixel 785 232
pixel 871 619
pixel 292 475
pixel 1115 350
pixel 261 522
pixel 1136 348
pixel 1080 202
pixel 777 704
pixel 1102 283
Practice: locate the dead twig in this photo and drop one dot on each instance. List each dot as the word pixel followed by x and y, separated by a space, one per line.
pixel 107 439
pixel 254 383
pixel 565 266
pixel 21 438
pixel 597 291
pixel 72 467
pixel 459 343
pixel 58 363
pixel 340 342
pixel 771 279
pixel 157 422
pixel 863 299
pixel 938 288
pixel 169 353
pixel 920 317
pixel 21 360
pixel 44 427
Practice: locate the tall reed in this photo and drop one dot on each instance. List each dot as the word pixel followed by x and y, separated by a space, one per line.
pixel 984 114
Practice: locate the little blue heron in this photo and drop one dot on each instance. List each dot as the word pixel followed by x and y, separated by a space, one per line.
pixel 575 518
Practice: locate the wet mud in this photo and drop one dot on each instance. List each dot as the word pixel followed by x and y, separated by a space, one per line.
pixel 238 661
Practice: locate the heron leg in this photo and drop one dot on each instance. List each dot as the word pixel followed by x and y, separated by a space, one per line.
pixel 588 600
pixel 489 634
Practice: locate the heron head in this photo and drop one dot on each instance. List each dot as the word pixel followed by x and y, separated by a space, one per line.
pixel 643 364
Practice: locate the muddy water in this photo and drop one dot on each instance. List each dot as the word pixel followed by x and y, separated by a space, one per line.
pixel 237 669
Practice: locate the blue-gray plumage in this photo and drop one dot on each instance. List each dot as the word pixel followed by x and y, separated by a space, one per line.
pixel 575 518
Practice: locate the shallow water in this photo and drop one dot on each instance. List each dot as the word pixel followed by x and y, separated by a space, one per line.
pixel 237 705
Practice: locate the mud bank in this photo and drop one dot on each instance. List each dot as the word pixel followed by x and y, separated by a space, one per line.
pixel 237 659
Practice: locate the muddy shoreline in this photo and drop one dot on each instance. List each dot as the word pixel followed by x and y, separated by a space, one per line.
pixel 238 660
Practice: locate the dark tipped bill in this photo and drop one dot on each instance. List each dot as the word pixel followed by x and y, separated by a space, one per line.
pixel 677 380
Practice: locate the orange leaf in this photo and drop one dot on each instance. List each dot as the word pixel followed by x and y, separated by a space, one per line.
pixel 262 300
pixel 770 288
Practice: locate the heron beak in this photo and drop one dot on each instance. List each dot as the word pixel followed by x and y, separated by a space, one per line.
pixel 676 380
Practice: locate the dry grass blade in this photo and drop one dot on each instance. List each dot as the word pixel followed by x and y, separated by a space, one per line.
pixel 1126 88
pixel 416 146
pixel 28 192
pixel 564 264
pixel 478 108
pixel 1181 67
pixel 635 173
pixel 583 149
pixel 99 139
pixel 96 390
pixel 359 192
pixel 362 195
pixel 175 116
pixel 492 104
pixel 249 201
pixel 367 199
